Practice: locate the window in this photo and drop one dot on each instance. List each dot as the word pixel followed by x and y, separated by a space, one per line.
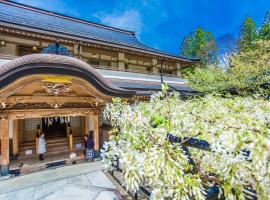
pixel 75 122
pixel 166 71
pixel 137 68
pixel 31 124
pixel 104 63
pixel 99 63
pixel 93 62
pixel 25 50
pixel 114 64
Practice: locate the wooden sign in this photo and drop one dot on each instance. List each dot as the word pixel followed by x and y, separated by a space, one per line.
pixel 56 79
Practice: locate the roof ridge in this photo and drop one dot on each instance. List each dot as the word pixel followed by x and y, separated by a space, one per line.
pixel 44 11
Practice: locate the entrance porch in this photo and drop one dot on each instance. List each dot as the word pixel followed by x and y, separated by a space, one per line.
pixel 60 144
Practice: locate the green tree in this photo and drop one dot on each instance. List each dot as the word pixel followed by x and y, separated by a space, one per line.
pixel 249 74
pixel 264 32
pixel 248 34
pixel 200 44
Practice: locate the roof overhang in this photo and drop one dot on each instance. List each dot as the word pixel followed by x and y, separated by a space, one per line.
pixel 36 64
pixel 68 38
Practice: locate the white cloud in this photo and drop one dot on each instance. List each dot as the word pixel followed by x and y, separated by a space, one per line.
pixel 143 17
pixel 128 20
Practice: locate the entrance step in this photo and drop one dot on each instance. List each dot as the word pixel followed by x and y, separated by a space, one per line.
pixel 34 165
pixel 53 146
pixel 51 141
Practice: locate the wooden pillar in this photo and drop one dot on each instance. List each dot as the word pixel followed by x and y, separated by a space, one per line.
pixel 178 70
pixel 15 138
pixel 121 61
pixel 96 134
pixel 155 69
pixel 4 147
pixel 70 143
pixel 70 138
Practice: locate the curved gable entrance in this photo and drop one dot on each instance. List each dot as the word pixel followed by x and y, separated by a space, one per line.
pixel 57 65
pixel 42 90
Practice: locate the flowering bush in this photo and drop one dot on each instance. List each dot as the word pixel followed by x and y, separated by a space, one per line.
pixel 238 130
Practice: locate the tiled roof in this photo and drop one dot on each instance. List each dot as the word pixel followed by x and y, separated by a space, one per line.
pixel 28 17
pixel 114 81
pixel 146 76
pixel 143 82
pixel 147 85
pixel 42 63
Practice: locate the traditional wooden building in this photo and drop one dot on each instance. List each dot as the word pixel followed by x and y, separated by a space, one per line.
pixel 58 72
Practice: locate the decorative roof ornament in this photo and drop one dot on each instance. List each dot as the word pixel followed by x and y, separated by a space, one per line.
pixel 56 48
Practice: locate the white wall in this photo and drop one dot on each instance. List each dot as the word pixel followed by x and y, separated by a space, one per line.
pixel 91 124
pixel 10 128
pixel 9 49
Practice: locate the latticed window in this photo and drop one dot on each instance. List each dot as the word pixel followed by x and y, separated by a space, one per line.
pixel 94 62
pixel 99 63
pixel 25 50
pixel 31 124
pixel 75 122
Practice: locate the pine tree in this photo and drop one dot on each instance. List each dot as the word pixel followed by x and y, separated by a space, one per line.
pixel 200 44
pixel 264 32
pixel 248 34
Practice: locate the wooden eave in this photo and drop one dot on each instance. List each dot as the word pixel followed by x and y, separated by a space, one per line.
pixel 70 39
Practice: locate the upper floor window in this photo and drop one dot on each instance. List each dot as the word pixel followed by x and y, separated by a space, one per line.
pixel 93 62
pixel 167 71
pixel 25 50
pixel 99 63
pixel 104 63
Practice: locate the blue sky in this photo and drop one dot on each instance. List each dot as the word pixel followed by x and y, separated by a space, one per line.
pixel 162 23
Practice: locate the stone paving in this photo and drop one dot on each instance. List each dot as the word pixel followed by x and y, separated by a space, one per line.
pixel 83 181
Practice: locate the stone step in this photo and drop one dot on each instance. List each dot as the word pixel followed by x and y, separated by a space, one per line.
pixel 42 166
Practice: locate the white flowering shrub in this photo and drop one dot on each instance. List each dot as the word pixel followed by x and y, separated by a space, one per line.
pixel 238 130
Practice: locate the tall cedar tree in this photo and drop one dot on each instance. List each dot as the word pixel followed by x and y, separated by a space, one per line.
pixel 248 35
pixel 200 44
pixel 264 32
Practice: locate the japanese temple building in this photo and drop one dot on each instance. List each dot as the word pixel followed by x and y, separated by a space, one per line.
pixel 58 72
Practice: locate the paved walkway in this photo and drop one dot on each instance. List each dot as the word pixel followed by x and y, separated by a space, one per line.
pixel 82 181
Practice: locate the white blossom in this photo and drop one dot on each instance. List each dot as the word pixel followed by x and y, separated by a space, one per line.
pixel 238 130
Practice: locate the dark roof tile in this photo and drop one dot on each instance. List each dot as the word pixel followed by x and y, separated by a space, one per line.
pixel 22 15
pixel 146 85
